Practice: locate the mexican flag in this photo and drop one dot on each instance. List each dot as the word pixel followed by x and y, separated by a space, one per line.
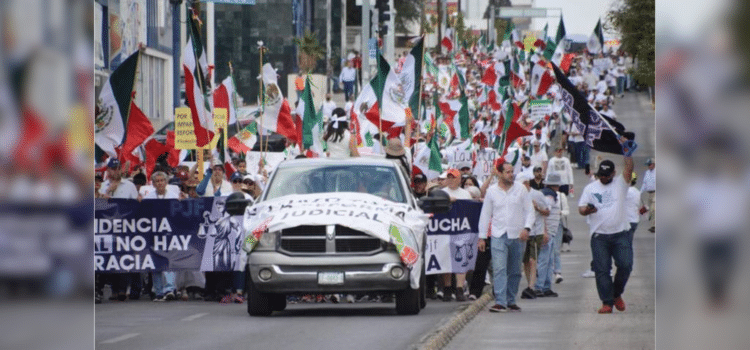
pixel 540 42
pixel 430 64
pixel 553 44
pixel 411 75
pixel 427 160
pixel 490 77
pixel 224 156
pixel 595 44
pixel 311 137
pixel 512 37
pixel 277 116
pixel 224 98
pixel 517 72
pixel 541 78
pixel 244 140
pixel 139 129
pixel 447 41
pixel 195 67
pixel 385 90
pixel 113 105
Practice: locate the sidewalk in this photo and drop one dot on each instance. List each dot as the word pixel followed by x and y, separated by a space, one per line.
pixel 570 321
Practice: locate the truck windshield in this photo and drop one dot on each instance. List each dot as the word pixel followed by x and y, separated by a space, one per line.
pixel 381 181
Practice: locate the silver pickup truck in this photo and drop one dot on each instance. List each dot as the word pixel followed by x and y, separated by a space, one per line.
pixel 334 258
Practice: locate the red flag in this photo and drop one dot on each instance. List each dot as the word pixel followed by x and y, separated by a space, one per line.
pixel 489 77
pixel 174 154
pixel 139 129
pixel 154 149
pixel 514 131
pixel 492 100
pixel 565 63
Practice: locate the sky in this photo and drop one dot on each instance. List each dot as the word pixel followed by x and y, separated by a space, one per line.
pixel 580 16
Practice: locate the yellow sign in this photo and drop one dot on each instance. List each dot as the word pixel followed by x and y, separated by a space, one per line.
pixel 220 121
pixel 184 132
pixel 528 42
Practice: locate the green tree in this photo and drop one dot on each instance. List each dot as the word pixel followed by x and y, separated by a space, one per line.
pixel 635 21
pixel 407 11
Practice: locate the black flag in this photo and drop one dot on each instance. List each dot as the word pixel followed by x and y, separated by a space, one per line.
pixel 597 135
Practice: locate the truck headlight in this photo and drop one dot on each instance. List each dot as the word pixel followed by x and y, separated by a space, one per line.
pixel 268 240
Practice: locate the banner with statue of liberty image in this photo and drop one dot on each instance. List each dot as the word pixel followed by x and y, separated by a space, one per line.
pixel 452 239
pixel 167 234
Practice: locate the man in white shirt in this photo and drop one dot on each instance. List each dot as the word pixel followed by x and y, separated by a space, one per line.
pixel 537 238
pixel 603 202
pixel 164 281
pixel 539 157
pixel 601 86
pixel 328 107
pixel 561 165
pixel 649 187
pixel 347 77
pixel 115 186
pixel 508 208
pixel 454 190
pixel 607 111
pixel 545 261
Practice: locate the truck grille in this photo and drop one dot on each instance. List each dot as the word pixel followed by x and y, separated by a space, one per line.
pixel 313 240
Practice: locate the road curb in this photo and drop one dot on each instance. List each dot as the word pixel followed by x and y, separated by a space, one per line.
pixel 443 335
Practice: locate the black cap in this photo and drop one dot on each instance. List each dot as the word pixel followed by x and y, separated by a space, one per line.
pixel 420 178
pixel 606 168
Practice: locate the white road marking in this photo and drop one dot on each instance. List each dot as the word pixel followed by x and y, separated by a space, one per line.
pixel 120 338
pixel 194 317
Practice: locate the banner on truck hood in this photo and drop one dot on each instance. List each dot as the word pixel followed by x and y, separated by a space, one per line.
pixel 396 223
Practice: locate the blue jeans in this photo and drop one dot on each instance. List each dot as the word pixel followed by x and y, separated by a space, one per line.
pixel 620 85
pixel 605 248
pixel 506 268
pixel 164 282
pixel 583 154
pixel 348 89
pixel 544 266
pixel 556 249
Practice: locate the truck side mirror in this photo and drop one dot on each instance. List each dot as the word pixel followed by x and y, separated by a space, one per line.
pixel 436 202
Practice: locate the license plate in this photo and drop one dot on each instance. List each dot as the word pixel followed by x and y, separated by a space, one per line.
pixel 330 278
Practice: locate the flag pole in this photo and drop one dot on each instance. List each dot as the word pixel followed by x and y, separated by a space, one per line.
pixel 262 98
pixel 234 96
pixel 421 88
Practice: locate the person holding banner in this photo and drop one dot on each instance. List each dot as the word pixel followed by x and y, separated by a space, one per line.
pixel 509 214
pixel 164 281
pixel 454 190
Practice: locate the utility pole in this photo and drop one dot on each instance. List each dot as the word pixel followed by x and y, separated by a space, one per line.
pixel 176 52
pixel 390 38
pixel 211 41
pixel 329 69
pixel 365 52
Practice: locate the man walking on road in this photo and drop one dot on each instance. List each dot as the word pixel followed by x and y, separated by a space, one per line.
pixel 348 76
pixel 649 186
pixel 604 202
pixel 508 208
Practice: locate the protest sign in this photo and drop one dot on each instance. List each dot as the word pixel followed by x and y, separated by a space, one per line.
pixel 272 160
pixel 184 132
pixel 166 234
pixel 538 109
pixel 452 239
pixel 485 159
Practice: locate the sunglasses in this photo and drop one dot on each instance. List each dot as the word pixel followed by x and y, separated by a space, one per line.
pixel 248 182
pixel 237 181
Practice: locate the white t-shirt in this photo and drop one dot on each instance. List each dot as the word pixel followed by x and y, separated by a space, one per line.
pixel 609 201
pixel 125 189
pixel 632 203
pixel 168 195
pixel 146 189
pixel 538 159
pixel 328 108
pixel 538 198
pixel 555 212
pixel 561 165
pixel 458 193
